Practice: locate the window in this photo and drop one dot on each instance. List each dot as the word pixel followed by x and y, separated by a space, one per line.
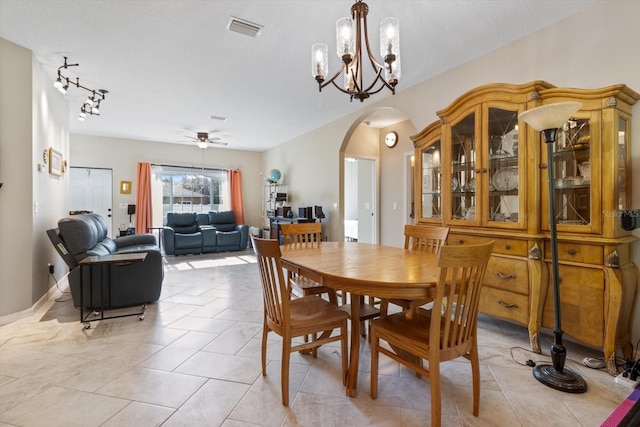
pixel 184 189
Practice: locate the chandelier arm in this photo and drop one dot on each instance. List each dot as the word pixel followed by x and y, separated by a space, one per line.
pixel 348 92
pixel 375 80
pixel 332 79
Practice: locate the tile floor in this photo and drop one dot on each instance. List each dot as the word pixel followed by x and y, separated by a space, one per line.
pixel 195 361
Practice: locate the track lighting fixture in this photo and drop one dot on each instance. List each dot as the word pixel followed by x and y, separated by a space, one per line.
pixel 92 104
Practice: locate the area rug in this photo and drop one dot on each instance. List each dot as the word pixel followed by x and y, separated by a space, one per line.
pixel 627 414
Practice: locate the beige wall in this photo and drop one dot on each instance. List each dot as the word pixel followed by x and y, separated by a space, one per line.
pixel 33 117
pixel 123 155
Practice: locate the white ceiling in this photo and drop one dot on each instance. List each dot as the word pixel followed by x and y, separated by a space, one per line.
pixel 170 65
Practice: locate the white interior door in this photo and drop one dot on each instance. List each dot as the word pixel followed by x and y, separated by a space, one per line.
pixel 92 190
pixel 367 205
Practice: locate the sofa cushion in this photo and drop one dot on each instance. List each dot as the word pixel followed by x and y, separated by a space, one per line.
pixel 186 229
pixel 202 220
pixel 181 219
pixel 189 241
pixel 227 239
pixel 78 235
pixel 109 245
pixel 225 217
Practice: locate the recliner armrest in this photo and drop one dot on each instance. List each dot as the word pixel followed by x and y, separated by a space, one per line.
pixel 244 235
pixel 135 240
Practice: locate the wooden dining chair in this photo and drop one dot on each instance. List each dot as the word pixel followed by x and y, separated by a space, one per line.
pixel 291 318
pixel 425 238
pixel 305 235
pixel 446 332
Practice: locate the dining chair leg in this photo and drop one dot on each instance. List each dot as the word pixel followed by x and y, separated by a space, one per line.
pixel 374 364
pixel 265 333
pixel 436 409
pixel 475 374
pixel 284 370
pixel 344 353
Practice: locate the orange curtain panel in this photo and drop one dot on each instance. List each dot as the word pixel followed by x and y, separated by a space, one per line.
pixel 235 185
pixel 143 198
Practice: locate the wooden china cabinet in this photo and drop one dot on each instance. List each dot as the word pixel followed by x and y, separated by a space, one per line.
pixel 483 174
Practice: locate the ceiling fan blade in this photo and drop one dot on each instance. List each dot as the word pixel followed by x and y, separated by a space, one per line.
pixel 218 142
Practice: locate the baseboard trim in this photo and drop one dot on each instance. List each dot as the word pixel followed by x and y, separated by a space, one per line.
pixel 52 293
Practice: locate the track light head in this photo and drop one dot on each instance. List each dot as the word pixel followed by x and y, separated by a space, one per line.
pixel 58 83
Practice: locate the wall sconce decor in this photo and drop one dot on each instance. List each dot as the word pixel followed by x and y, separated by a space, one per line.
pixel 56 166
pixel 125 187
pixel 92 104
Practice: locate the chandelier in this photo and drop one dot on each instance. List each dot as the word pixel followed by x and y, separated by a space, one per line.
pixel 351 33
pixel 91 105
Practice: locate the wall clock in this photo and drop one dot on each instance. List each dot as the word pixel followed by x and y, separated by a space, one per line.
pixel 391 139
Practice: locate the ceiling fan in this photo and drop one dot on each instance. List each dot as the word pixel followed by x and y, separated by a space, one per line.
pixel 203 140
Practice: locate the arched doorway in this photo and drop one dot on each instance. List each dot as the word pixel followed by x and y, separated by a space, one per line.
pixel 363 148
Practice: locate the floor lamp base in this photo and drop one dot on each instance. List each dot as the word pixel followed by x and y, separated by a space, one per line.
pixel 566 380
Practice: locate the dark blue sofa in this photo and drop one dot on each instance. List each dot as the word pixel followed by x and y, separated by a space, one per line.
pixel 191 233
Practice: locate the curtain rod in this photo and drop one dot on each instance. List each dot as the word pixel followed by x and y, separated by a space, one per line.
pixel 191 167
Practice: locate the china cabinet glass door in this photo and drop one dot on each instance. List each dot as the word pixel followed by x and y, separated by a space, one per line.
pixel 503 171
pixel 623 135
pixel 431 197
pixel 572 173
pixel 463 169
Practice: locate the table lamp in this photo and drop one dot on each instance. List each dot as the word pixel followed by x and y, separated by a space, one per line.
pixel 547 119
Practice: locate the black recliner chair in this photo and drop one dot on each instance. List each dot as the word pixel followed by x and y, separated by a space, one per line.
pixel 139 283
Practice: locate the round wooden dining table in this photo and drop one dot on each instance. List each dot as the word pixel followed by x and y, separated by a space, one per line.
pixel 364 269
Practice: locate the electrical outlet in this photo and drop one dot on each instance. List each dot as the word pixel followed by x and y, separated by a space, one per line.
pixel 50 268
pixel 620 379
pixel 123 206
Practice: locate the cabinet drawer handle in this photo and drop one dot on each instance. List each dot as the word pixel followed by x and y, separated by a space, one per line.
pixel 460 241
pixel 571 252
pixel 505 276
pixel 507 246
pixel 505 305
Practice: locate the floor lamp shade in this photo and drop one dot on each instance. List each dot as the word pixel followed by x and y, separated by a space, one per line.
pixel 547 119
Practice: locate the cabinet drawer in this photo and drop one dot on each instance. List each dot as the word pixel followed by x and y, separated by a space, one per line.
pixel 508 274
pixel 582 297
pixel 501 246
pixel 504 304
pixel 575 252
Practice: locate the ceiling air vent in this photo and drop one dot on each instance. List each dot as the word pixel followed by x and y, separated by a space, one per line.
pixel 243 27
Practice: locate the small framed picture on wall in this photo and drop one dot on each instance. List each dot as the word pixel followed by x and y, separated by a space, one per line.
pixel 55 162
pixel 125 187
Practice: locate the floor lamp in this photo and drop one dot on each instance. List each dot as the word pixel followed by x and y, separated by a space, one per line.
pixel 547 119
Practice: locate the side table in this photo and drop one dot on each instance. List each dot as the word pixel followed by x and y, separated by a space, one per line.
pixel 160 229
pixel 105 262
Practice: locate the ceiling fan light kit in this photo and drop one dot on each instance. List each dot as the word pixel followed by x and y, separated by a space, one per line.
pixel 203 140
pixel 92 104
pixel 351 34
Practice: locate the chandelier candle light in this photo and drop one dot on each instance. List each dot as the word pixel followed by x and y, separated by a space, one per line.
pixel 351 34
pixel 547 119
